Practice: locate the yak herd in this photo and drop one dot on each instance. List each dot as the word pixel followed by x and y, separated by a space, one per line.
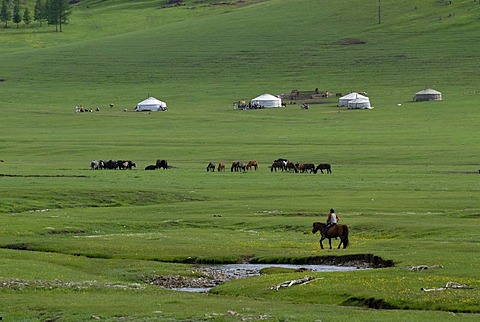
pixel 112 165
pixel 237 166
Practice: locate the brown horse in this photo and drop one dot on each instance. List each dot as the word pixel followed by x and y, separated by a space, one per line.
pixel 221 166
pixel 335 231
pixel 253 164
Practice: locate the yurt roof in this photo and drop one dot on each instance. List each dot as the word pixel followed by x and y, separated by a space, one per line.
pixel 352 95
pixel 266 97
pixel 428 91
pixel 151 101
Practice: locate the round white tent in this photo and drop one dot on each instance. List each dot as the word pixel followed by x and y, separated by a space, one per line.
pixel 151 104
pixel 360 103
pixel 428 95
pixel 343 101
pixel 267 100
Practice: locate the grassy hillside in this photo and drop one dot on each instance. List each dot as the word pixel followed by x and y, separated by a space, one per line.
pixel 405 177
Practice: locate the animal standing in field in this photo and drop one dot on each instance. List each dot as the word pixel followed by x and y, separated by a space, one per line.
pixel 95 165
pixel 291 166
pixel 277 165
pixel 253 164
pixel 324 166
pixel 335 231
pixel 211 167
pixel 162 164
pixel 238 166
pixel 304 167
pixel 221 167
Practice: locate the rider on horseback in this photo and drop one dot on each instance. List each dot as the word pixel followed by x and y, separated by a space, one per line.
pixel 331 221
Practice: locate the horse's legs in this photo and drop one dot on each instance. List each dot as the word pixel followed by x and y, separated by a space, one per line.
pixel 341 242
pixel 330 242
pixel 321 244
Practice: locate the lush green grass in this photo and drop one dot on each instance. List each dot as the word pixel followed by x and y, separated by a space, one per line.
pixel 405 178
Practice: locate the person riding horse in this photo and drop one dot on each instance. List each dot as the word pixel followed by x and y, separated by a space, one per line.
pixel 331 221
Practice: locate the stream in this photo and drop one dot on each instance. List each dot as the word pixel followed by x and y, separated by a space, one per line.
pixel 222 273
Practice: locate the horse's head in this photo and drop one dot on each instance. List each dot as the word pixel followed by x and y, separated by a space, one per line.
pixel 316 227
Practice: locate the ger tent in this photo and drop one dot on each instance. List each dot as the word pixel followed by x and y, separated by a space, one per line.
pixel 360 103
pixel 428 95
pixel 343 101
pixel 151 104
pixel 267 100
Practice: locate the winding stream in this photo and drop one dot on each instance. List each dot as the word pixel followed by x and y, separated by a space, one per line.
pixel 234 271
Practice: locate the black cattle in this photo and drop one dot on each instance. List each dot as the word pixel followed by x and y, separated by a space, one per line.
pixel 162 164
pixel 128 164
pixel 111 165
pixel 151 167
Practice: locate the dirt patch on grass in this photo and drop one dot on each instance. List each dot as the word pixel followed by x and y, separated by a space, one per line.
pixel 19 284
pixel 43 175
pixel 67 232
pixel 350 41
pixel 354 260
pixel 18 246
pixel 371 303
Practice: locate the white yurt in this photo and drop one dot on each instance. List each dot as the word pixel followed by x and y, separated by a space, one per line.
pixel 151 104
pixel 267 100
pixel 428 95
pixel 360 103
pixel 343 101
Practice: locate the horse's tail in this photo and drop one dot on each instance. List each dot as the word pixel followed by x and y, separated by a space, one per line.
pixel 345 236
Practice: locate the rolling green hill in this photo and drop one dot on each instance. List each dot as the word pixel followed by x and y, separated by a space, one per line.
pixel 79 244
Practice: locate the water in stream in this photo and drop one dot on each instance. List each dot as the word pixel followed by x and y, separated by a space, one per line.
pixel 234 271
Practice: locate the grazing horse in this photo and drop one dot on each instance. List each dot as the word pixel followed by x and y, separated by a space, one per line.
pixel 211 167
pixel 162 164
pixel 253 164
pixel 335 231
pixel 323 166
pixel 304 167
pixel 238 166
pixel 290 165
pixel 277 165
pixel 221 166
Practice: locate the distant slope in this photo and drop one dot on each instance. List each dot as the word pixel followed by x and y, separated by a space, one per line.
pixel 118 49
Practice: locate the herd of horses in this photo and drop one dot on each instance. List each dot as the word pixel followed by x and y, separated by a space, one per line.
pixel 286 165
pixel 278 164
pixel 237 166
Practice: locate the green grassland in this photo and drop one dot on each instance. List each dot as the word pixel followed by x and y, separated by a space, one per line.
pixel 76 244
